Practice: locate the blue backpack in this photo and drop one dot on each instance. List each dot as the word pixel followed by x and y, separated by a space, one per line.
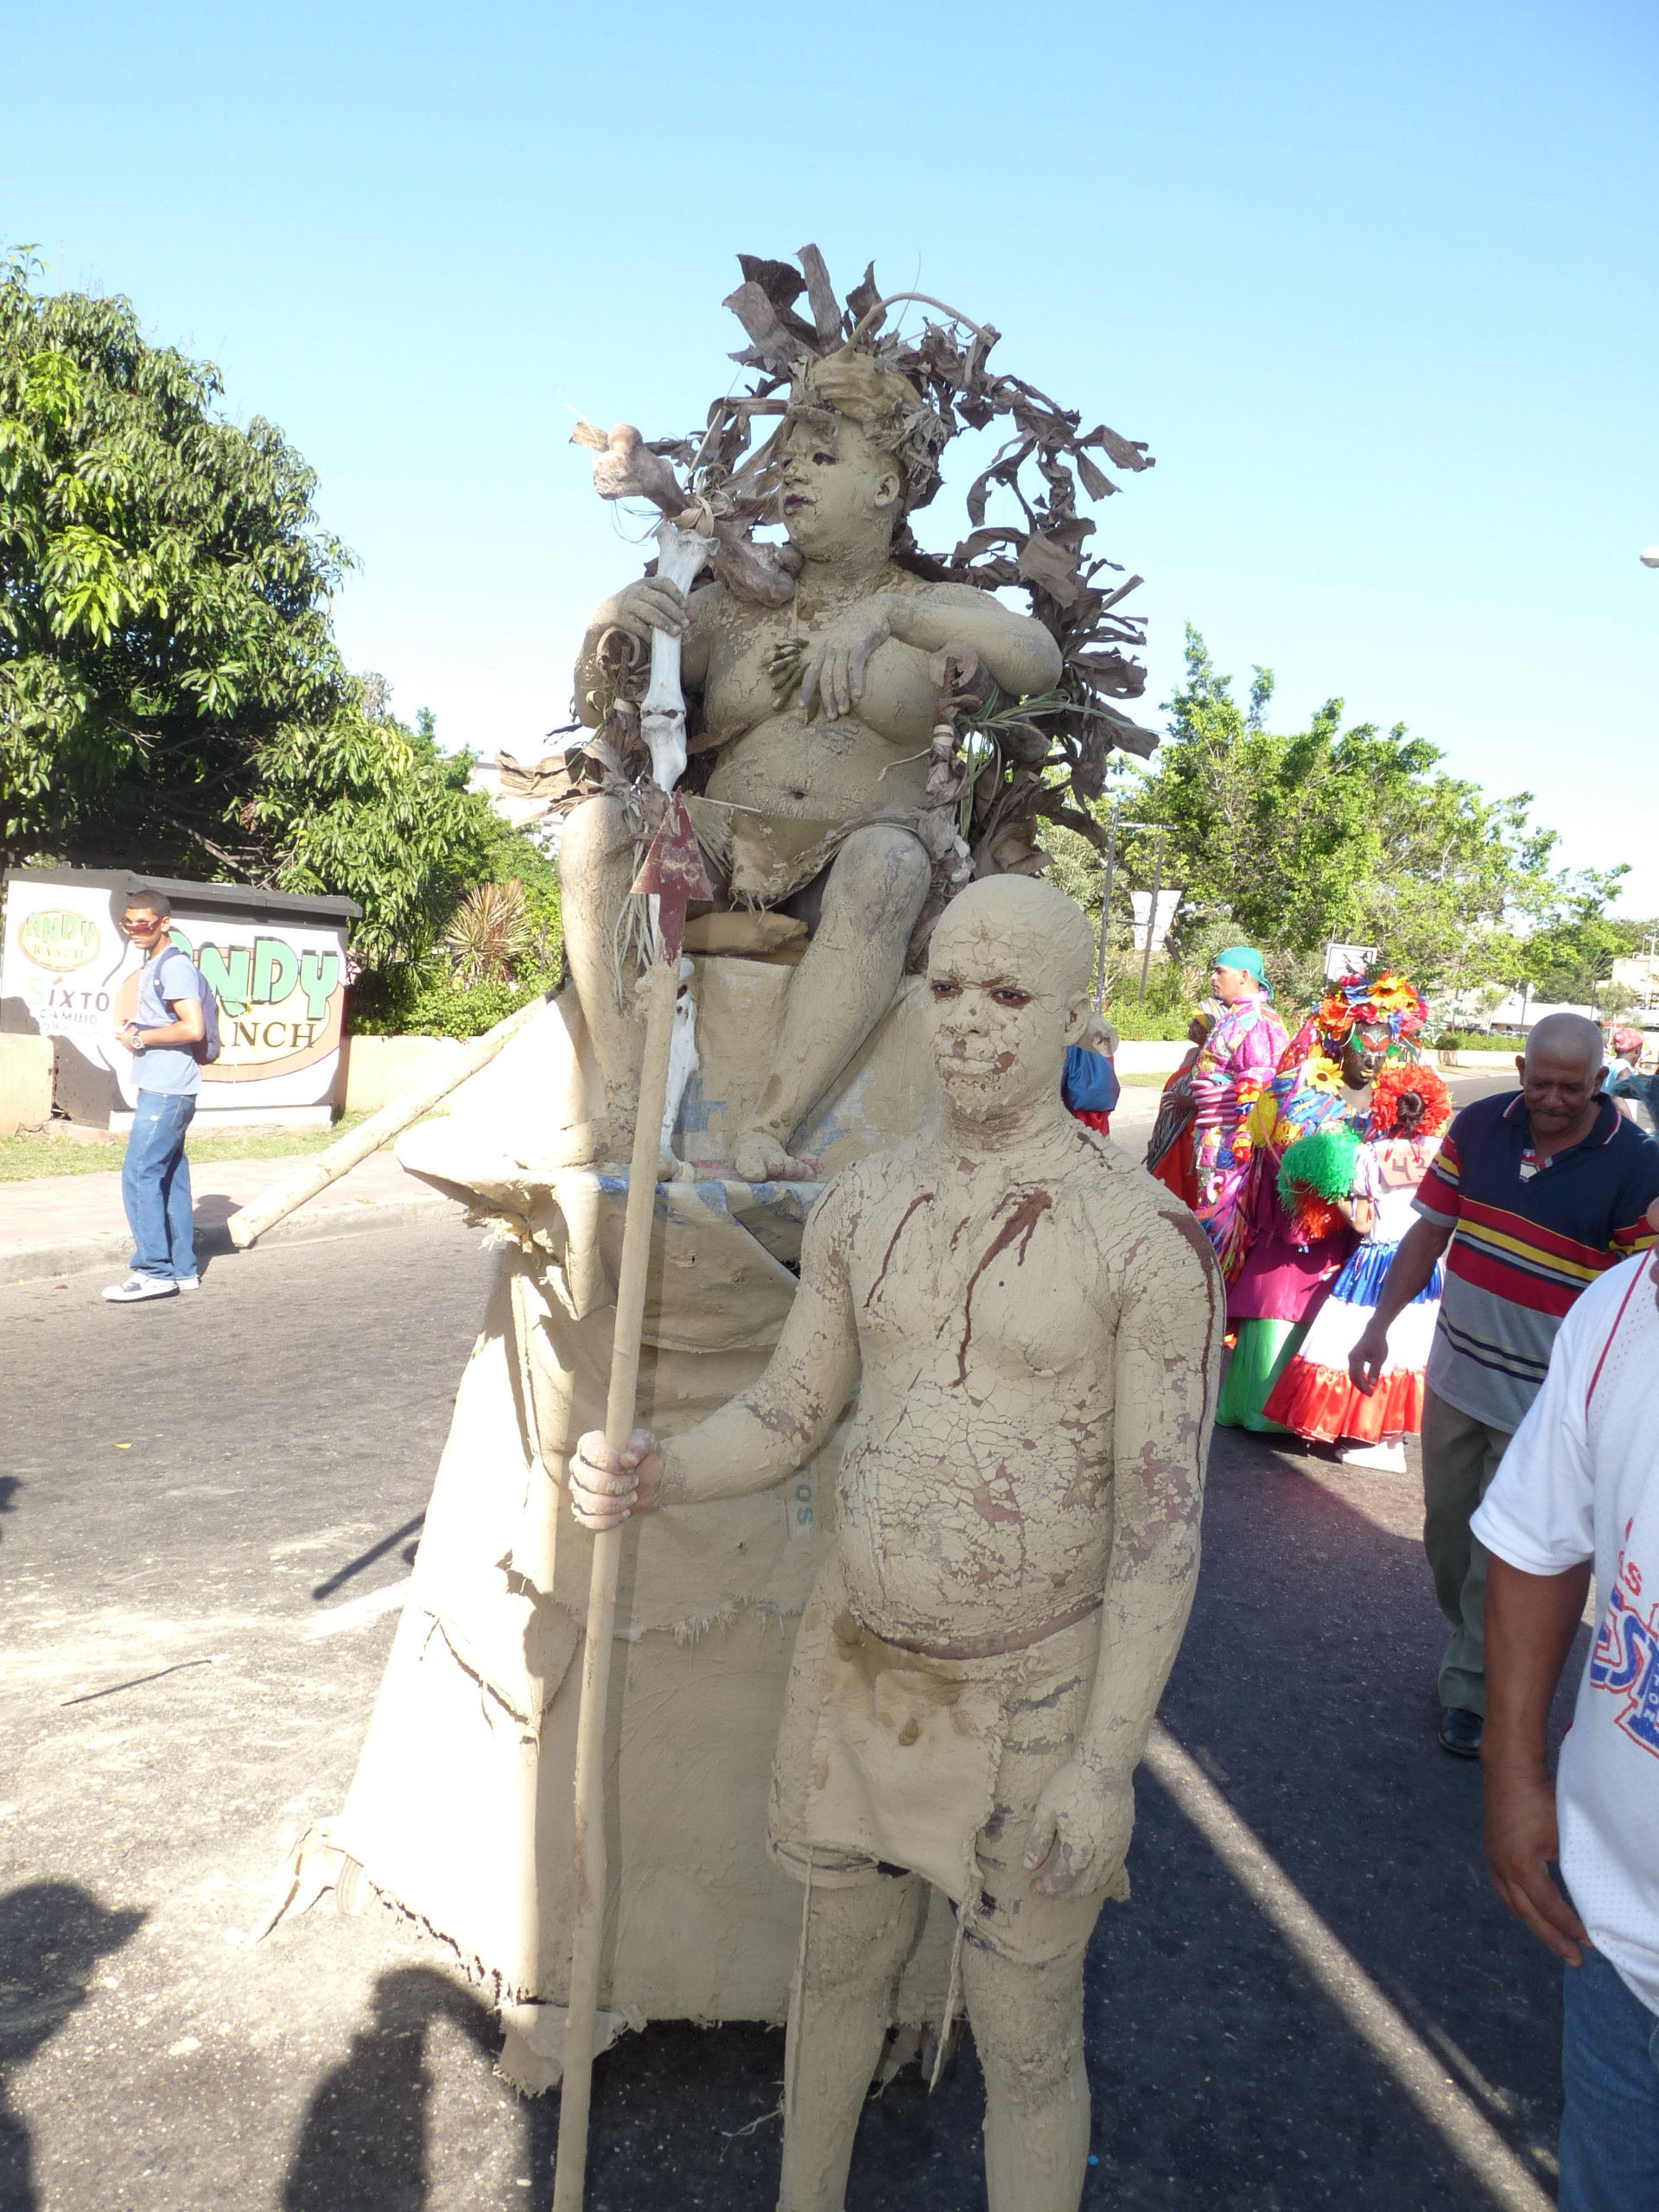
pixel 209 1048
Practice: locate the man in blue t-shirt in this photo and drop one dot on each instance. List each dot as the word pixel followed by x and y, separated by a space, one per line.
pixel 165 1037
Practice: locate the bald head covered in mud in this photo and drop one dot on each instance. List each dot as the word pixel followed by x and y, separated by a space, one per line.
pixel 1032 1326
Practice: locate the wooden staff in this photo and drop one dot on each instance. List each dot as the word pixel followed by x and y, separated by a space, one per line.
pixel 339 1158
pixel 674 872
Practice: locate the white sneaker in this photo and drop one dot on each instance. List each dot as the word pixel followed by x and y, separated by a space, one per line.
pixel 189 1282
pixel 137 1287
pixel 1390 1458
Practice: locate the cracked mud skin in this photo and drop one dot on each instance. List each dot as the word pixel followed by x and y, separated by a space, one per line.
pixel 1033 1326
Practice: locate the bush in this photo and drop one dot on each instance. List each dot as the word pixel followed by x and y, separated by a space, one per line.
pixel 1479 1041
pixel 1146 1024
pixel 416 1003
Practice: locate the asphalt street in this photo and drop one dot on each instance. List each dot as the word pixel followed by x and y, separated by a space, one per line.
pixel 191 1490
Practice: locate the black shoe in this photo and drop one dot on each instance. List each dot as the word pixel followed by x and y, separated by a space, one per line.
pixel 1460 1732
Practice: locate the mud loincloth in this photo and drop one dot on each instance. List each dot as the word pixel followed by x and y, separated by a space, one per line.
pixel 766 858
pixel 889 1760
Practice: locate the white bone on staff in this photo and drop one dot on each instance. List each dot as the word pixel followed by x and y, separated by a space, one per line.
pixel 662 717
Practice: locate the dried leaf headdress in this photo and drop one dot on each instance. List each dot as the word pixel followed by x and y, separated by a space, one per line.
pixel 912 395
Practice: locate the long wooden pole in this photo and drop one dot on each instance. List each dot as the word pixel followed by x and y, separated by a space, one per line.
pixel 683 555
pixel 336 1160
pixel 576 2090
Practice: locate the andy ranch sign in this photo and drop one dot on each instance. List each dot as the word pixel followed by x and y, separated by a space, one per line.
pixel 277 966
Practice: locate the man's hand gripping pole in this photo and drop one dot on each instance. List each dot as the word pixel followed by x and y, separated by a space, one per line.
pixel 674 872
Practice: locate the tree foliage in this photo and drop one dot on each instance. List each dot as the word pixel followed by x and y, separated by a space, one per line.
pixel 171 695
pixel 1355 834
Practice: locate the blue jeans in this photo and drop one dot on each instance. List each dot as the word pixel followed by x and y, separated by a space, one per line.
pixel 1610 2067
pixel 155 1187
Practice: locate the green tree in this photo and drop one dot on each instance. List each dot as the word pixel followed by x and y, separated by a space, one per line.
pixel 1353 834
pixel 171 695
pixel 1570 954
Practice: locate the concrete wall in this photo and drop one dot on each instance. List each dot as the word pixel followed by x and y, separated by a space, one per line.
pixel 1151 1056
pixel 379 1069
pixel 25 1083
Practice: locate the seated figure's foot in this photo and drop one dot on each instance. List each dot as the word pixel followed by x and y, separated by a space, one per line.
pixel 757 1157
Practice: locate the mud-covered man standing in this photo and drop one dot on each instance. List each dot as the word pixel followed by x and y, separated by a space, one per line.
pixel 1032 1326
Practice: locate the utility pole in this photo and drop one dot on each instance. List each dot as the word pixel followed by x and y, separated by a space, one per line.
pixel 1106 907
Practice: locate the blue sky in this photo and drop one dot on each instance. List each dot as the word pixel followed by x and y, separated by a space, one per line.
pixel 1376 285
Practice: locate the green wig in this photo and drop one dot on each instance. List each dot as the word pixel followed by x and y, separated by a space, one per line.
pixel 1320 1165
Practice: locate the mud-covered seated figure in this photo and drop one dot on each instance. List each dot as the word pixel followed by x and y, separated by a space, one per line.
pixel 822 710
pixel 1032 1326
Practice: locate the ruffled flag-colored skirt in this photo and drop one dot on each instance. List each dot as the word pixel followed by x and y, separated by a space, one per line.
pixel 1314 1394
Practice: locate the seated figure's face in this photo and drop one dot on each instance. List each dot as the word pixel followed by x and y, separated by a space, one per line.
pixel 840 494
pixel 1002 1015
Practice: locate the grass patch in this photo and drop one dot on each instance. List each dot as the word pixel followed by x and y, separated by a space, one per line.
pixel 24 1157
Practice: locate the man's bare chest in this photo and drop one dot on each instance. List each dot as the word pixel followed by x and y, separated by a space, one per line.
pixel 949 1284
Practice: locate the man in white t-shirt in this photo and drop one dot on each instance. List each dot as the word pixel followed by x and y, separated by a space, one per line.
pixel 1579 1485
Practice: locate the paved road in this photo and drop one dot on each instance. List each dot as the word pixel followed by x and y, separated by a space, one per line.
pixel 283 1427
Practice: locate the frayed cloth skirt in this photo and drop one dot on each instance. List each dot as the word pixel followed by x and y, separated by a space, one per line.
pixel 1315 1395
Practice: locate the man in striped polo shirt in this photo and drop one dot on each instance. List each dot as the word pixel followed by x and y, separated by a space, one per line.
pixel 1536 1192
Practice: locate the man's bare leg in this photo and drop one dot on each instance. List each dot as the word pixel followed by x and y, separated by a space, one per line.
pixel 876 889
pixel 1027 2024
pixel 857 1940
pixel 596 872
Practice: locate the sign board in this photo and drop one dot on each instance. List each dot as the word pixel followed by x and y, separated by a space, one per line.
pixel 276 964
pixel 1342 960
pixel 1169 903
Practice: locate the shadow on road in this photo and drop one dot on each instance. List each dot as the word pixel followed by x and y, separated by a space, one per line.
pixel 343 1575
pixel 9 1486
pixel 51 1935
pixel 363 2144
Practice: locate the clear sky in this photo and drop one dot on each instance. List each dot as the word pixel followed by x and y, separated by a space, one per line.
pixel 1377 286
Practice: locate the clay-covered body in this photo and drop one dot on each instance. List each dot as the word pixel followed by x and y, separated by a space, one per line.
pixel 1034 1327
pixel 838 738
pixel 976 1486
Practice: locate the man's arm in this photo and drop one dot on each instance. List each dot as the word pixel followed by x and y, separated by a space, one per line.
pixel 1167 1357
pixel 1530 1621
pixel 188 1027
pixel 765 1433
pixel 1410 1271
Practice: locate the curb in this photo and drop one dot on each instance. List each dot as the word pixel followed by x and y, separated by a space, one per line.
pixel 34 1262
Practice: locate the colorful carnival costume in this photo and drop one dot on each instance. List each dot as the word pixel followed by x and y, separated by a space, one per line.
pixel 1235 1061
pixel 1280 1252
pixel 1170 1148
pixel 1315 1395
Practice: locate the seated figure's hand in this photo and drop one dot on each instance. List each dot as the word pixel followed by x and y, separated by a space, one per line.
pixel 652 604
pixel 1080 1832
pixel 606 1487
pixel 834 674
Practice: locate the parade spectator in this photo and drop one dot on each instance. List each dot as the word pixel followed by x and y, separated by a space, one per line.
pixel 1533 1195
pixel 1089 1085
pixel 1625 1085
pixel 165 1037
pixel 1580 1483
pixel 1235 1060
